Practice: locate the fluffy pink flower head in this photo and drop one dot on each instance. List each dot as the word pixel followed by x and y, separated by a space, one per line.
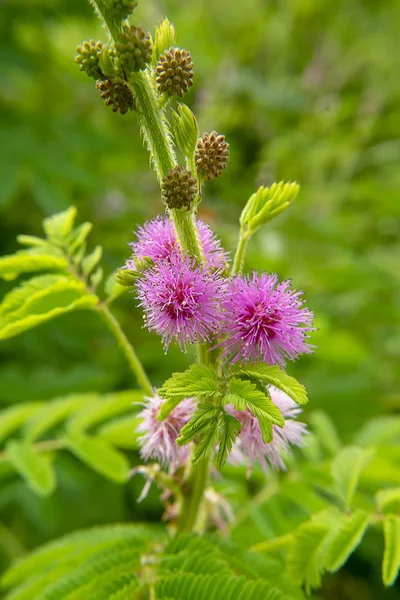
pixel 265 321
pixel 158 438
pixel 181 300
pixel 250 446
pixel 157 240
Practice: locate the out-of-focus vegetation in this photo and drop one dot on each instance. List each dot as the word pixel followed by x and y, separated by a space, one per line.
pixel 303 90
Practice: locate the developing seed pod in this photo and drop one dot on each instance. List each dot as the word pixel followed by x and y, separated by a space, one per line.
pixel 212 154
pixel 175 72
pixel 118 10
pixel 178 188
pixel 116 94
pixel 88 58
pixel 134 48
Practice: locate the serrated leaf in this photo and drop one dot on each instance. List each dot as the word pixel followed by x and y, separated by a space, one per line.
pixel 206 416
pixel 228 430
pixel 103 408
pixel 347 467
pixel 30 261
pixel 77 237
pixel 100 456
pixel 35 468
pixel 52 413
pixel 244 394
pixel 276 376
pixel 91 260
pixel 198 380
pixel 391 554
pixel 207 442
pixel 346 540
pixel 40 299
pixel 112 288
pixel 326 431
pixel 388 500
pixel 57 227
pixel 11 419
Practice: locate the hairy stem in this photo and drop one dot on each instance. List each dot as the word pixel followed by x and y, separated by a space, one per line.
pixel 187 233
pixel 127 349
pixel 197 482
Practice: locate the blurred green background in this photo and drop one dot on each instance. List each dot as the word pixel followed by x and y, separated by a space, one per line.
pixel 304 90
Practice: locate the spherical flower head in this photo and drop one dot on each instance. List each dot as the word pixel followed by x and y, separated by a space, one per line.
pixel 251 448
pixel 265 321
pixel 158 438
pixel 181 300
pixel 157 240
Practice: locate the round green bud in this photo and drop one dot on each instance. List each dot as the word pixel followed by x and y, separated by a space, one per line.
pixel 118 10
pixel 179 188
pixel 134 48
pixel 88 58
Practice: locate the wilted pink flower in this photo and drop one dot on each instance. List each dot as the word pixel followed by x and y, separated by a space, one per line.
pixel 158 438
pixel 264 320
pixel 157 240
pixel 250 446
pixel 181 300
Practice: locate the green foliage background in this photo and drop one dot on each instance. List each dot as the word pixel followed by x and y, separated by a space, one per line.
pixel 303 90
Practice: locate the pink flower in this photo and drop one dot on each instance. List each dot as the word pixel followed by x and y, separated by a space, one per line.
pixel 158 438
pixel 181 300
pixel 265 321
pixel 157 240
pixel 251 448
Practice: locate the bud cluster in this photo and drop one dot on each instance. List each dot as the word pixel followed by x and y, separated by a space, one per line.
pixel 134 48
pixel 118 10
pixel 88 57
pixel 117 94
pixel 175 72
pixel 179 188
pixel 212 155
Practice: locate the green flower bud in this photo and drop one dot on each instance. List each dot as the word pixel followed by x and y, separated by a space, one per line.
pixel 186 130
pixel 164 39
pixel 134 48
pixel 212 154
pixel 88 58
pixel 126 277
pixel 116 94
pixel 178 188
pixel 175 72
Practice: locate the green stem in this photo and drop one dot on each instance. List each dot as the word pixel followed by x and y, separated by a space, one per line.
pixel 127 349
pixel 192 500
pixel 154 124
pixel 238 261
pixel 187 233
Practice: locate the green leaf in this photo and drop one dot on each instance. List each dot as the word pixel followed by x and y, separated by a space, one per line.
pixel 77 237
pixel 57 227
pixel 388 500
pixel 266 204
pixel 102 409
pixel 52 413
pixel 306 555
pixel 40 299
pixel 207 441
pixel 391 554
pixel 100 456
pixel 186 129
pixel 164 39
pixel 29 261
pixel 277 377
pixel 31 240
pixel 229 428
pixel 112 288
pixel 326 431
pixel 35 468
pixel 244 394
pixel 198 380
pixel 379 431
pixel 121 432
pixel 347 539
pixel 347 467
pixel 205 414
pixel 91 260
pixel 96 277
pixel 11 419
